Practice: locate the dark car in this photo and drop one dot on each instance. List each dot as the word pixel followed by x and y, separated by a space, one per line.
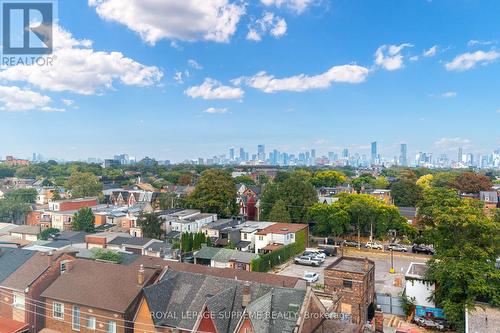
pixel 351 243
pixel 329 250
pixel 189 260
pixel 422 249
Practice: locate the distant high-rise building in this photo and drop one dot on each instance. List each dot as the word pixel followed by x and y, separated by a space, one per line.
pixel 242 154
pixel 231 154
pixel 313 156
pixel 374 152
pixel 331 156
pixel 345 153
pixel 403 157
pixel 460 155
pixel 261 152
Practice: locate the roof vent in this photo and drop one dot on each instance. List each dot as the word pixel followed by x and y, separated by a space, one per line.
pixel 284 229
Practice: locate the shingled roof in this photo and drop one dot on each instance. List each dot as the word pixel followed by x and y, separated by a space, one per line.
pixel 11 259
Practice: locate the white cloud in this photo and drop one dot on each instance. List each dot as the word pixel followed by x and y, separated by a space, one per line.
pixel 340 74
pixel 213 20
pixel 193 63
pixel 431 52
pixel 452 143
pixel 469 60
pixel 298 6
pixel 67 102
pixel 178 77
pixel 475 42
pixel 213 89
pixel 275 25
pixel 79 69
pixel 213 110
pixel 390 57
pixel 413 58
pixel 17 99
pixel 449 94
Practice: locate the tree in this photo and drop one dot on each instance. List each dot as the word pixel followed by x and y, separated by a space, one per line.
pixel 363 182
pixel 13 211
pixel 467 245
pixel 381 183
pixel 406 193
pixel 215 193
pixel 244 179
pixel 187 241
pixel 295 190
pixel 279 213
pixel 26 195
pixel 47 233
pixel 330 220
pixel 84 220
pixel 83 184
pixel 425 181
pixel 150 225
pixel 470 182
pixel 329 178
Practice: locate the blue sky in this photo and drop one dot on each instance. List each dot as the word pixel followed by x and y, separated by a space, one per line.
pixel 184 78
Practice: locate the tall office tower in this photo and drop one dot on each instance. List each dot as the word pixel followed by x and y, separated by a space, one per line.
pixel 231 154
pixel 242 154
pixel 274 160
pixel 460 155
pixel 403 157
pixel 374 152
pixel 261 152
pixel 345 153
pixel 331 156
pixel 313 156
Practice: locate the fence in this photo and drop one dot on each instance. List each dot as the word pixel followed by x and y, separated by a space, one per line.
pixel 390 304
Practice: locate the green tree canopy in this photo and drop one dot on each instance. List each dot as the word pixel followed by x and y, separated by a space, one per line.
pixel 215 192
pixel 279 213
pixel 150 225
pixel 45 234
pixel 467 246
pixel 329 178
pixel 470 182
pixel 26 195
pixel 364 181
pixel 244 179
pixel 84 220
pixel 83 184
pixel 330 220
pixel 406 193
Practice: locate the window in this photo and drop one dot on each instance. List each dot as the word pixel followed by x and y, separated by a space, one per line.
pixel 347 284
pixel 111 327
pixel 291 236
pixel 76 318
pixel 244 236
pixel 62 266
pixel 91 323
pixel 261 237
pixel 58 310
pixel 19 301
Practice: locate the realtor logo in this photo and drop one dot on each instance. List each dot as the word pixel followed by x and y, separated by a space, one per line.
pixel 27 27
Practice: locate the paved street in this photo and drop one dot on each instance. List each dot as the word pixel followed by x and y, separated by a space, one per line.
pixel 384 281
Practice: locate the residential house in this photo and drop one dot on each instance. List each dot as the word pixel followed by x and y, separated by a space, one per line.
pixel 248 231
pixel 79 300
pixel 21 290
pixel 26 232
pixel 224 306
pixel 278 235
pixel 72 204
pixel 188 220
pixel 213 229
pixel 410 214
pixel 224 258
pixel 101 239
pixel 382 195
pixel 247 197
pixel 137 245
pixel 490 200
pixel 353 279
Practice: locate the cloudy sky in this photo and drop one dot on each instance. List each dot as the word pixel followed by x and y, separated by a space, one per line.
pixel 177 79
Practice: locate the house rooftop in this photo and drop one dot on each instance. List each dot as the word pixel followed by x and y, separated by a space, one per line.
pixel 26 229
pixel 11 259
pixel 416 270
pixel 352 265
pixel 227 255
pixel 75 200
pixel 282 228
pixel 78 285
pixel 134 241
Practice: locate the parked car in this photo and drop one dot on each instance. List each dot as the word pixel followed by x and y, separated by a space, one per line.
pixel 313 255
pixel 396 247
pixel 374 245
pixel 317 252
pixel 350 243
pixel 189 260
pixel 308 261
pixel 422 249
pixel 329 250
pixel 311 277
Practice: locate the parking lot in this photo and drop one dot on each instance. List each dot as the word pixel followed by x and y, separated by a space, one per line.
pixel 384 280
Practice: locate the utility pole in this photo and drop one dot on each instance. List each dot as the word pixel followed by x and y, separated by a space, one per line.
pixel 359 243
pixel 391 270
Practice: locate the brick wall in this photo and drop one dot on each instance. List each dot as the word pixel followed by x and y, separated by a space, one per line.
pixel 75 205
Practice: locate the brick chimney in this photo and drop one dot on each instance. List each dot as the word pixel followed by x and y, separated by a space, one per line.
pixel 140 275
pixel 246 295
pixel 366 265
pixel 379 320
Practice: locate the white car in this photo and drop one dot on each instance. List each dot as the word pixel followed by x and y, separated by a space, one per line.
pixel 311 277
pixel 318 253
pixel 314 255
pixel 374 245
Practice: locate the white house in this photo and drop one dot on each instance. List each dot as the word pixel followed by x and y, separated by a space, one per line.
pixel 416 286
pixel 277 235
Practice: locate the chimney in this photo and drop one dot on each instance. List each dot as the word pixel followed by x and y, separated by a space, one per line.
pixel 366 265
pixel 69 265
pixel 379 320
pixel 246 295
pixel 140 275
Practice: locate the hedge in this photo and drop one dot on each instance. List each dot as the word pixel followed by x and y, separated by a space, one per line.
pixel 267 261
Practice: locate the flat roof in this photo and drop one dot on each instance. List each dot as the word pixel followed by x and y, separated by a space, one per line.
pixel 351 264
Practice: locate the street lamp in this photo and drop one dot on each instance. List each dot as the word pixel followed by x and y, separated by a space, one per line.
pixel 391 270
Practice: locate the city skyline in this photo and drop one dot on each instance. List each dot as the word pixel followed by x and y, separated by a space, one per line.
pixel 357 75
